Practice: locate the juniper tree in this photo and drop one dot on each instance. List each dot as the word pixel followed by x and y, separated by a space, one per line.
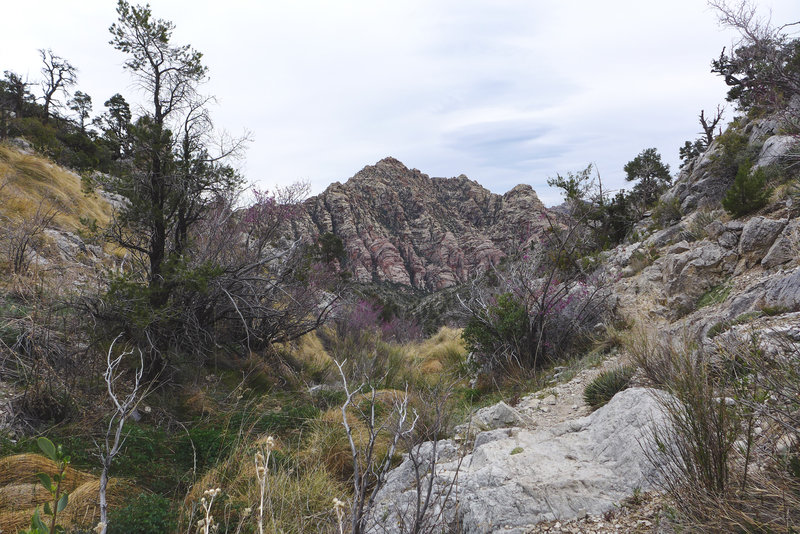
pixel 173 175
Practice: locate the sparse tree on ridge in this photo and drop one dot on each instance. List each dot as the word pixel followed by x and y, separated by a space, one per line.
pixel 763 68
pixel 708 125
pixel 652 175
pixel 208 272
pixel 159 192
pixel 116 125
pixel 59 76
pixel 14 94
pixel 81 103
pixel 692 149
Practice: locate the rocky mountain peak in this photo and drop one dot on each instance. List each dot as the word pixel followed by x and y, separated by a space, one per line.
pixel 400 225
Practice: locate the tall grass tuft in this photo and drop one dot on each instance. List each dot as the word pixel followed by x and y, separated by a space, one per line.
pixel 33 179
pixel 607 384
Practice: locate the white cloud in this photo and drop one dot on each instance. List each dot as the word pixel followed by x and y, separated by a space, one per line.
pixel 503 91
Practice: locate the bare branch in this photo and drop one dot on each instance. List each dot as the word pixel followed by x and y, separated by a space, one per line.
pixel 125 407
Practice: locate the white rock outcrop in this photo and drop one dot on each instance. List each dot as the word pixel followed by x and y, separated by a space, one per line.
pixel 521 477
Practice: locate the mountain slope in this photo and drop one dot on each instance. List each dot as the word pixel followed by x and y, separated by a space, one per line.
pixel 399 225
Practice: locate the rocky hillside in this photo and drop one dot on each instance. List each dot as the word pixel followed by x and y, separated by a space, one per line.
pixel 706 278
pixel 709 272
pixel 399 225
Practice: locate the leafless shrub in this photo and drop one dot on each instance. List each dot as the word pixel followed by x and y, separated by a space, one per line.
pixel 369 470
pixel 124 407
pixel 20 235
pixel 435 494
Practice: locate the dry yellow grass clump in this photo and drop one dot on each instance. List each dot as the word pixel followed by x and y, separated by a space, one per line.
pixel 309 351
pixel 31 180
pixel 20 493
pixel 327 443
pixel 440 353
pixel 298 497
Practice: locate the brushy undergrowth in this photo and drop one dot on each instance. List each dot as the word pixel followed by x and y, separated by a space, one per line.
pixel 729 449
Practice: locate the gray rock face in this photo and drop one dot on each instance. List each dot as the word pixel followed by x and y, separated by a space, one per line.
pixel 522 477
pixel 690 273
pixel 783 292
pixel 499 415
pixel 778 291
pixel 758 235
pixel 698 184
pixel 785 248
pixel 775 148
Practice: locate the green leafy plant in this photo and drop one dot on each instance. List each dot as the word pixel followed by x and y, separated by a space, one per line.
pixel 607 384
pixel 502 327
pixel 734 151
pixel 667 212
pixel 53 486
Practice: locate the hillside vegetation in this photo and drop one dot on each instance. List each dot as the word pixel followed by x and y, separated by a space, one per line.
pixel 30 181
pixel 173 359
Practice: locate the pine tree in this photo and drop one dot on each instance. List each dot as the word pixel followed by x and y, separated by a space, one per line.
pixel 748 193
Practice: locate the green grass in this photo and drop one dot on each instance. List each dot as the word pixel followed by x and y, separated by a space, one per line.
pixel 607 384
pixel 713 296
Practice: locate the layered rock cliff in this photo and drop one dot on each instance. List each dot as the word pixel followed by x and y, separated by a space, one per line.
pixel 399 225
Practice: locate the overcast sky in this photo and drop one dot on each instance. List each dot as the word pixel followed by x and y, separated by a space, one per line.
pixel 504 91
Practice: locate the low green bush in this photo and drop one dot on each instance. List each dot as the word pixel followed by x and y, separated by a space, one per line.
pixel 146 514
pixel 734 151
pixel 715 295
pixel 667 212
pixel 607 384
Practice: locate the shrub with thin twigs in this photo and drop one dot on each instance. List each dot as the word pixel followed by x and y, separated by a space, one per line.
pixel 728 452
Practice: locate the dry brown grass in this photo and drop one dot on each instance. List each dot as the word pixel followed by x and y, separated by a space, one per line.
pixel 32 179
pixel 438 357
pixel 309 352
pixel 22 469
pixel 721 474
pixel 327 442
pixel 20 495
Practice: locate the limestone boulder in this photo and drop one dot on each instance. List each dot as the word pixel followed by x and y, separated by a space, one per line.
pixel 785 248
pixel 523 477
pixel 687 274
pixel 775 148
